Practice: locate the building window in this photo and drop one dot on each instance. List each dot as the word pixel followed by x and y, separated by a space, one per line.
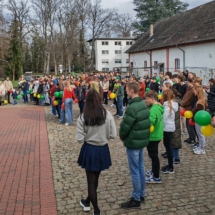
pixel 105 61
pixel 129 43
pixel 105 69
pixel 127 60
pixel 105 43
pixel 145 64
pixel 118 61
pixel 177 64
pixel 118 43
pixel 155 65
pixel 118 52
pixel 105 52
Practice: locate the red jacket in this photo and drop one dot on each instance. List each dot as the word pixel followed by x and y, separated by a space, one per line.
pixel 53 90
pixel 68 95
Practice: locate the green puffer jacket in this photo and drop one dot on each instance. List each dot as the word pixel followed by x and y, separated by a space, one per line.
pixel 135 126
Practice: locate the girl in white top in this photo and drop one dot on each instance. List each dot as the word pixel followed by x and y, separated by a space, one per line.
pixel 170 108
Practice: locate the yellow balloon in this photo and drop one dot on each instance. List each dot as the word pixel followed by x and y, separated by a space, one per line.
pixel 35 95
pixel 112 95
pixel 5 102
pixel 55 103
pixel 159 96
pixel 38 96
pixel 207 130
pixel 152 128
pixel 188 114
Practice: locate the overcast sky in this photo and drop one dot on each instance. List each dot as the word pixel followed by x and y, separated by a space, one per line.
pixel 127 6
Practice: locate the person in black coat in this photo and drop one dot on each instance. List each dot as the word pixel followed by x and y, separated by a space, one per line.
pixel 211 97
pixel 154 85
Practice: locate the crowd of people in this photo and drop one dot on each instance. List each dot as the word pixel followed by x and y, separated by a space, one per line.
pixel 149 110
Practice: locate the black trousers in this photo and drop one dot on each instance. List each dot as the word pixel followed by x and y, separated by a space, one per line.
pixel 153 154
pixel 191 130
pixel 105 97
pixel 8 97
pixel 168 145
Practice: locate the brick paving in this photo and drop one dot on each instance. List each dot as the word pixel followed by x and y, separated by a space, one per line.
pixel 26 185
pixel 191 190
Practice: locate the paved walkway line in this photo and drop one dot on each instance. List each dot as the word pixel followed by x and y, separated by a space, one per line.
pixel 25 163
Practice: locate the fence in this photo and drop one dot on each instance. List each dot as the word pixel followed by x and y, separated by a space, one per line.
pixel 205 73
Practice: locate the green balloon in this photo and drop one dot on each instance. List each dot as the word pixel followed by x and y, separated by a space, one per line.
pixel 61 94
pixel 28 92
pixel 56 94
pixel 18 97
pixel 157 79
pixel 42 97
pixel 202 118
pixel 22 94
pixel 147 89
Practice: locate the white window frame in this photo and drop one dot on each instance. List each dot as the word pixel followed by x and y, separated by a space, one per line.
pixel 105 61
pixel 118 51
pixel 105 43
pixel 106 52
pixel 105 70
pixel 118 43
pixel 118 61
pixel 177 64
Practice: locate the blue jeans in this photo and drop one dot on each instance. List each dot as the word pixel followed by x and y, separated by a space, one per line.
pixel 136 166
pixel 176 153
pixel 120 106
pixel 25 97
pixel 69 111
pixel 53 108
pixel 62 115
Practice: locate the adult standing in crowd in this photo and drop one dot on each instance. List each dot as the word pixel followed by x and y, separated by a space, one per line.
pixel 8 87
pixel 95 127
pixel 105 87
pixel 188 103
pixel 211 97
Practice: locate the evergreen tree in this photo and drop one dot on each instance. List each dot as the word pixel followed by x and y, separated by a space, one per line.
pixel 14 54
pixel 151 11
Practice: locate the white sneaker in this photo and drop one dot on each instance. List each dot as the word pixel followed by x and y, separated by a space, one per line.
pixel 123 107
pixel 66 124
pixel 199 152
pixel 56 115
pixel 51 113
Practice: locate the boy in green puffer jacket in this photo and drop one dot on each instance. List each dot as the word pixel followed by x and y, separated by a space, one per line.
pixel 135 133
pixel 156 118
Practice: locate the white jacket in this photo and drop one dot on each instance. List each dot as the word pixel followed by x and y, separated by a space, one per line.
pixel 169 118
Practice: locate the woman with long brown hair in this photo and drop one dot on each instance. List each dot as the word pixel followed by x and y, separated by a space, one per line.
pixel 95 127
pixel 201 104
pixel 170 108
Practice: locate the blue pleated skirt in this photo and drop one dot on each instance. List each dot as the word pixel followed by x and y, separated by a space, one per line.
pixel 94 158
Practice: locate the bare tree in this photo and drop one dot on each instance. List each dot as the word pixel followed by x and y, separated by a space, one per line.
pixel 122 25
pixel 46 13
pixel 99 23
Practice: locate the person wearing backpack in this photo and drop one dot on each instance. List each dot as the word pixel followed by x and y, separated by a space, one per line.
pixel 135 134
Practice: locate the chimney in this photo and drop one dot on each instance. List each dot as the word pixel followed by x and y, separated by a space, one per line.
pixel 151 30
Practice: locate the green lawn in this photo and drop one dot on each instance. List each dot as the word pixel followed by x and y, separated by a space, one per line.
pixel 15 84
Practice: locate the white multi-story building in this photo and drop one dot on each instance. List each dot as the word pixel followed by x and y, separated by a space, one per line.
pixel 110 53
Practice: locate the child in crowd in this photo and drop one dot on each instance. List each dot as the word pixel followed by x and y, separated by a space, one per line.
pixel 135 133
pixel 125 100
pixel 168 76
pixel 170 108
pixel 31 89
pixel 211 97
pixel 14 95
pixel 40 91
pixel 115 89
pixel 46 89
pixel 25 87
pixel 161 78
pixel 81 95
pixel 154 85
pixel 156 118
pixel 201 104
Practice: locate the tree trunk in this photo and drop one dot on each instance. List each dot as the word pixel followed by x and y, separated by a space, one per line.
pixel 55 65
pixel 47 68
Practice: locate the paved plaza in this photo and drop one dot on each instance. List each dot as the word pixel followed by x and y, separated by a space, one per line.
pixel 191 190
pixel 30 173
